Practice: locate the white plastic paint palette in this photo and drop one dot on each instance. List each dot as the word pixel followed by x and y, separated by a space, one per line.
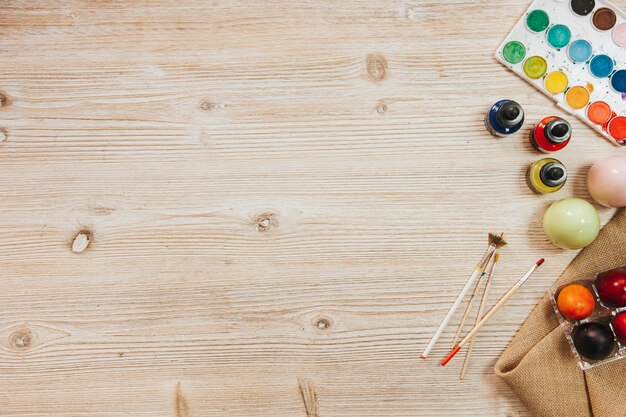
pixel 575 52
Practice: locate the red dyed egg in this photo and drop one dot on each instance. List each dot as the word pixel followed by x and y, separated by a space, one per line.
pixel 619 325
pixel 611 288
pixel 575 302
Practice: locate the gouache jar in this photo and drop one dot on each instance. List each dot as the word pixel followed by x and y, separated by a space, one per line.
pixel 547 176
pixel 551 134
pixel 504 118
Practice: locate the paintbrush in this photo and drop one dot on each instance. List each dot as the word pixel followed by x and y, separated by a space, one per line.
pixel 470 303
pixel 495 242
pixel 493 311
pixel 479 315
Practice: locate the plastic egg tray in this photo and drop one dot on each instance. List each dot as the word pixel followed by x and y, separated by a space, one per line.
pixel 603 313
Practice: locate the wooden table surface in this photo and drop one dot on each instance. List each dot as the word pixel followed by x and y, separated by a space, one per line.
pixel 271 192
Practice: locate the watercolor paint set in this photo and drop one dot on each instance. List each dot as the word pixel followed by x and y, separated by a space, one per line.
pixel 574 51
pixel 593 315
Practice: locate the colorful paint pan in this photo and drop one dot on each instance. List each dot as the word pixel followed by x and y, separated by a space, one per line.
pixel 577 97
pixel 535 67
pixel 579 51
pixel 583 7
pixel 514 52
pixel 599 112
pixel 537 21
pixel 574 51
pixel 601 66
pixel 558 36
pixel 556 82
pixel 604 18
pixel 619 35
pixel 618 81
pixel 617 128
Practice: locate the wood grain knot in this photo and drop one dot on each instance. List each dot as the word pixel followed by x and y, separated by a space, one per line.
pixel 208 106
pixel 4 100
pixel 24 337
pixel 381 108
pixel 21 339
pixel 376 66
pixel 81 241
pixel 181 406
pixel 3 135
pixel 323 323
pixel 308 391
pixel 264 222
pixel 412 13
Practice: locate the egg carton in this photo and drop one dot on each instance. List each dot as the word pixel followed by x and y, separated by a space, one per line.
pixel 604 313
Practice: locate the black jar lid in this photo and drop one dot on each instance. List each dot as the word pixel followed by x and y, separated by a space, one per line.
pixel 510 114
pixel 553 174
pixel 558 131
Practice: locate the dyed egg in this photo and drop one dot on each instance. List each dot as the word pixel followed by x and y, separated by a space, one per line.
pixel 594 341
pixel 611 287
pixel 606 181
pixel 575 302
pixel 619 325
pixel 571 223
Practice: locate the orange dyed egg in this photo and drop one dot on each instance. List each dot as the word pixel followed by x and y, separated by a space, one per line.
pixel 575 302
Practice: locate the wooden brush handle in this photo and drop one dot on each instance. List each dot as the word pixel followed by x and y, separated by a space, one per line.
pixel 446 320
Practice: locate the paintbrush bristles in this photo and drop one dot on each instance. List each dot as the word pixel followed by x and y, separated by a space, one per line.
pixel 497 240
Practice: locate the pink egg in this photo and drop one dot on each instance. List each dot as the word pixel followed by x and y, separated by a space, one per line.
pixel 607 181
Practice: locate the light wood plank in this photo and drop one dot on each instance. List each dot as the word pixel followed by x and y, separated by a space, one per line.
pixel 274 191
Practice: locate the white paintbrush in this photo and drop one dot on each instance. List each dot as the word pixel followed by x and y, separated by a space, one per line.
pixel 495 242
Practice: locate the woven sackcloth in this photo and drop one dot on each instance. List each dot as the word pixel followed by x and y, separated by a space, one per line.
pixel 539 365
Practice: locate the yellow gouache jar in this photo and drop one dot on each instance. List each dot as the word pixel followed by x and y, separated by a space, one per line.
pixel 547 176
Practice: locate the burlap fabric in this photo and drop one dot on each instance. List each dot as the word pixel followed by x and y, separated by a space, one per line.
pixel 539 365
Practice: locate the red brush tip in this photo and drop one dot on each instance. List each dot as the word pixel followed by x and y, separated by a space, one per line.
pixel 451 355
pixel 540 261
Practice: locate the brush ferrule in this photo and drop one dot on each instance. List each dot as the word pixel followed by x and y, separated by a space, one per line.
pixel 487 256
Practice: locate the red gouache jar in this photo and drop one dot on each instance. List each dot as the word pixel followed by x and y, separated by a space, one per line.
pixel 551 134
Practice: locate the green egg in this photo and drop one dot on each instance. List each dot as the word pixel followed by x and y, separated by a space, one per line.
pixel 571 223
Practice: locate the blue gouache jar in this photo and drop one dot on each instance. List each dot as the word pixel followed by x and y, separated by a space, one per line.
pixel 504 118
